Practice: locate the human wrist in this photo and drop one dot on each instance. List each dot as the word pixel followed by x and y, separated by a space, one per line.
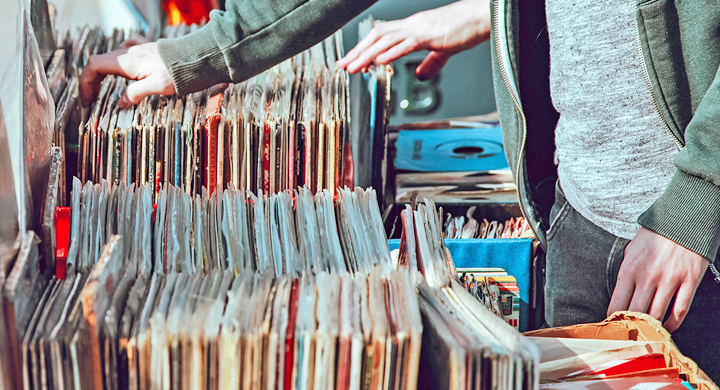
pixel 195 61
pixel 683 214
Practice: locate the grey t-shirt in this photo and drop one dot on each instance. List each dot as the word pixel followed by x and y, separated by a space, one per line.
pixel 614 155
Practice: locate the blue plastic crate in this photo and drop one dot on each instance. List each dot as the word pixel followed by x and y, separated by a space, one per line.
pixel 513 255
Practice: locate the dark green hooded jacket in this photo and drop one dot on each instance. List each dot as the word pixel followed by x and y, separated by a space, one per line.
pixel 680 45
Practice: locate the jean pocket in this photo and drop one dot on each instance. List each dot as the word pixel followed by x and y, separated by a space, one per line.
pixel 559 212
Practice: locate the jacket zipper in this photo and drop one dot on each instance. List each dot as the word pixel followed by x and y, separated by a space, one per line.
pixel 516 101
pixel 646 77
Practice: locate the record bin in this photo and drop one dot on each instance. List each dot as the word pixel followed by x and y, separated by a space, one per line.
pixel 460 164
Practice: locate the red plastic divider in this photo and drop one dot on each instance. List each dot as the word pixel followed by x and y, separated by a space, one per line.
pixel 62 240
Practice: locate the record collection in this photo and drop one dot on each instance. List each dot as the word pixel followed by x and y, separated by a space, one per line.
pixel 176 277
pixel 234 290
pixel 283 129
pixel 212 241
pixel 496 289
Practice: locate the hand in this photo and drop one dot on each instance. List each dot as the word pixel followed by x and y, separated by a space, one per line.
pixel 140 62
pixel 133 40
pixel 444 31
pixel 654 270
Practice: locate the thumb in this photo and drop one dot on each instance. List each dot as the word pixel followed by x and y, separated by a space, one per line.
pixel 432 64
pixel 136 92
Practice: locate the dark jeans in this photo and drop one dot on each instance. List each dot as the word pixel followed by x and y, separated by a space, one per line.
pixel 583 261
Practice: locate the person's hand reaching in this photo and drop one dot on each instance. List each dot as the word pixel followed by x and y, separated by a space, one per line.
pixel 655 270
pixel 444 31
pixel 133 40
pixel 134 61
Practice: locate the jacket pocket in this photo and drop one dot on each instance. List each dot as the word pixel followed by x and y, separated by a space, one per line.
pixel 660 45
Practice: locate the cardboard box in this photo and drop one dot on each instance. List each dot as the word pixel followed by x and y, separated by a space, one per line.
pixel 636 327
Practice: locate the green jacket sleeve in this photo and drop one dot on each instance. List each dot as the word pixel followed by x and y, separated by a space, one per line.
pixel 251 36
pixel 688 212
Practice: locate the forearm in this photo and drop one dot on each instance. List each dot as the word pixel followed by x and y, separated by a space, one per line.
pixel 687 211
pixel 252 36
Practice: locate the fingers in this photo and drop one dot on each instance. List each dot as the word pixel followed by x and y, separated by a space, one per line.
pixel 622 296
pixel 138 90
pixel 141 63
pixel 368 56
pixel 432 64
pixel 642 298
pixel 652 270
pixel 134 40
pixel 385 43
pixel 89 85
pixel 661 301
pixel 402 49
pixel 94 72
pixel 363 45
pixel 134 94
pixel 684 298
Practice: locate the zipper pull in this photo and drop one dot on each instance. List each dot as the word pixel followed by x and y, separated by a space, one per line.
pixel 715 272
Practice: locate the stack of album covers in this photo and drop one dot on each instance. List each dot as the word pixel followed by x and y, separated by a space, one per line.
pixel 467 227
pixel 463 338
pixel 495 289
pixel 285 128
pixel 235 290
pixel 228 290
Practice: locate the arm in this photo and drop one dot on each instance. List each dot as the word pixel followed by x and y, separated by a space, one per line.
pixel 236 44
pixel 444 31
pixel 681 230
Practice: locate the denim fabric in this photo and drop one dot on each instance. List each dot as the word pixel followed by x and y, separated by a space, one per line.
pixel 583 261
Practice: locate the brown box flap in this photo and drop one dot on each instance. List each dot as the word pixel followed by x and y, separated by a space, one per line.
pixel 637 327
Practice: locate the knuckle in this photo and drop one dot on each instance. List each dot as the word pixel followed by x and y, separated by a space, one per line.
pixel 412 41
pixel 138 51
pixel 91 63
pixel 681 310
pixel 374 33
pixel 388 38
pixel 380 28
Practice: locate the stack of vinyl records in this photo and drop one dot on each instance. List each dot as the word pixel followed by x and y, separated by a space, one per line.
pixel 283 129
pixel 496 289
pixel 176 277
pixel 453 165
pixel 460 227
pixel 234 290
pixel 464 338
